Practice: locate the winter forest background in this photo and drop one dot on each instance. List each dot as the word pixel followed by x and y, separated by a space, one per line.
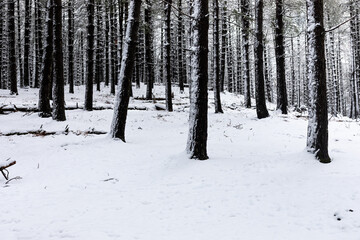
pixel 261 88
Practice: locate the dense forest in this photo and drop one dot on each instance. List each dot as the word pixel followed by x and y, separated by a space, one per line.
pixel 300 55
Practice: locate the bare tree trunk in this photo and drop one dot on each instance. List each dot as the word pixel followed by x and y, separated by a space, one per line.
pixel 197 140
pixel 149 55
pixel 90 56
pixel 167 72
pixel 127 65
pixel 317 138
pixel 27 43
pixel 282 101
pixel 71 45
pixel 12 49
pixel 21 71
pixel 181 71
pixel 47 65
pixel 58 113
pixel 261 109
pixel 245 16
pixel 217 89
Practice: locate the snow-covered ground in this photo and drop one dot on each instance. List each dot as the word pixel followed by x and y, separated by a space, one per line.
pixel 259 183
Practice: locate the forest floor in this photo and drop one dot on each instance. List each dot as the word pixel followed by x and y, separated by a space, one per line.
pixel 259 183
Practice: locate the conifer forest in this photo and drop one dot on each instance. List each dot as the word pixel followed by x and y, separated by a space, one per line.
pixel 109 109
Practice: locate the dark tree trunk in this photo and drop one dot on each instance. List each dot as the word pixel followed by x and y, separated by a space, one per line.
pixel 217 99
pixel 224 45
pixel 127 65
pixel 245 16
pixel 99 46
pixel 181 71
pixel 197 140
pixel 39 44
pixel 317 139
pixel 107 45
pixel 90 57
pixel 112 48
pixel 149 55
pixel 47 65
pixel 12 49
pixel 21 71
pixel 71 46
pixel 282 102
pixel 58 91
pixel 27 43
pixel 1 46
pixel 167 72
pixel 261 109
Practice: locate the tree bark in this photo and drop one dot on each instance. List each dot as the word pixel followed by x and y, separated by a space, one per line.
pixel 90 56
pixel 317 138
pixel 197 139
pixel 217 89
pixel 167 72
pixel 12 49
pixel 71 45
pixel 127 65
pixel 245 16
pixel 58 92
pixel 261 109
pixel 282 102
pixel 47 66
pixel 149 55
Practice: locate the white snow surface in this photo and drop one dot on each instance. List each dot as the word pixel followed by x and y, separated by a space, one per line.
pixel 259 183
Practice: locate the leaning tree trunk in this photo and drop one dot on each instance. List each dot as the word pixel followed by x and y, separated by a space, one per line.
pixel 167 72
pixel 12 49
pixel 90 57
pixel 217 99
pixel 47 65
pixel 317 138
pixel 197 140
pixel 58 92
pixel 282 102
pixel 261 110
pixel 126 71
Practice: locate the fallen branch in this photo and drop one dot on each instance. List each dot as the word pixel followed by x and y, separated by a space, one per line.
pixel 43 133
pixel 4 166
